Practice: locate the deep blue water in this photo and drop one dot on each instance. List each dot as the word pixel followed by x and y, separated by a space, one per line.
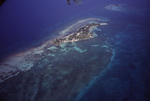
pixel 25 24
pixel 23 21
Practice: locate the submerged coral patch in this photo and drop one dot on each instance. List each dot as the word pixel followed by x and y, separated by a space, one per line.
pixel 116 7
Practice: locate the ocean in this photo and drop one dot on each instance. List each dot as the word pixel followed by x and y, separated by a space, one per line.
pixel 111 66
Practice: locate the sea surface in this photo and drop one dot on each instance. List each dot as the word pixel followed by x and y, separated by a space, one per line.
pixel 113 66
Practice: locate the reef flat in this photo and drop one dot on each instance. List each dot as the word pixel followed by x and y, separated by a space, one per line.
pixel 57 72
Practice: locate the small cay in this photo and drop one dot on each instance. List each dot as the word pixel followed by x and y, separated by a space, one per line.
pixel 82 34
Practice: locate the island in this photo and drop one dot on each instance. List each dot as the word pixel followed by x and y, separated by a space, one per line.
pixel 82 34
pixel 57 70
